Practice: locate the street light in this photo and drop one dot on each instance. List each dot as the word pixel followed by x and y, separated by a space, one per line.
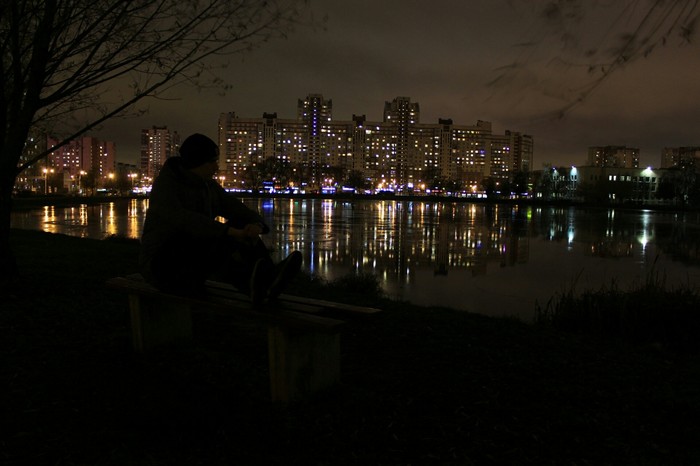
pixel 132 177
pixel 80 175
pixel 110 182
pixel 46 179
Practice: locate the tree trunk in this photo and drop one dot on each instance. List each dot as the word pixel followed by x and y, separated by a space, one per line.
pixel 8 262
pixel 11 148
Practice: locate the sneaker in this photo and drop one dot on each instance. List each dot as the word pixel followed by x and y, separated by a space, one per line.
pixel 260 282
pixel 286 271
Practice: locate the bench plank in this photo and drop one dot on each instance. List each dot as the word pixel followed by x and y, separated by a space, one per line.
pixel 314 304
pixel 303 347
pixel 226 306
pixel 329 305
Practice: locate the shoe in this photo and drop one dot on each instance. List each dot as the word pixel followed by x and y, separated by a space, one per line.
pixel 286 271
pixel 263 272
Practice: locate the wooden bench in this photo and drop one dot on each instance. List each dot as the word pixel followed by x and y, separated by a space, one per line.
pixel 303 344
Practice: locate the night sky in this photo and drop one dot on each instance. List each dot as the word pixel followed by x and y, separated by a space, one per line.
pixel 444 54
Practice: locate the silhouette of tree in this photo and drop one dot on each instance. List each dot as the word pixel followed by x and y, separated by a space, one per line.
pixel 357 180
pixel 83 62
pixel 432 177
pixel 594 192
pixel 544 186
pixel 667 189
pixel 488 185
pixel 335 173
pixel 274 169
pixel 520 182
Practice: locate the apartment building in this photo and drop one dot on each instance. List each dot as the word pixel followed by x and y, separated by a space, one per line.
pixel 73 164
pixel 613 156
pixel 681 157
pixel 393 154
pixel 157 144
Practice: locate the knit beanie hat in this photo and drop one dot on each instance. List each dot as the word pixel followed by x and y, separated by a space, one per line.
pixel 197 150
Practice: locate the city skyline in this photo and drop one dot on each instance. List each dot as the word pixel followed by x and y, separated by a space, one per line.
pixel 392 154
pixel 444 57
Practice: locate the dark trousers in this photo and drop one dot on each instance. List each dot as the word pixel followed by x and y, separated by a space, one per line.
pixel 184 263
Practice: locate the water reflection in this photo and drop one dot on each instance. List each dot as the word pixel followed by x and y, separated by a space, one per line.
pixel 494 259
pixel 124 218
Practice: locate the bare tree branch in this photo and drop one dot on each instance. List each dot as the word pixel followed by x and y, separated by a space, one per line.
pixel 594 47
pixel 60 57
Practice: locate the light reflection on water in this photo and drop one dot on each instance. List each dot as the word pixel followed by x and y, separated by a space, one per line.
pixel 124 218
pixel 496 260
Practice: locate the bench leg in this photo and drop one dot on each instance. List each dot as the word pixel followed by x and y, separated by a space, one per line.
pixel 302 363
pixel 155 323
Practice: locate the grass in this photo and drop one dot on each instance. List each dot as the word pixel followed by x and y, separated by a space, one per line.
pixel 419 385
pixel 648 313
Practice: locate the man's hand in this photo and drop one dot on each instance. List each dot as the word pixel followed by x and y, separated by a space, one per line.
pixel 253 230
pixel 249 233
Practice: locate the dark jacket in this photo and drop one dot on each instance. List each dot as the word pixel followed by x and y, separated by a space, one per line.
pixel 182 203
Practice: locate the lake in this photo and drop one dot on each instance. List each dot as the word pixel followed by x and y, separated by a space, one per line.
pixel 491 259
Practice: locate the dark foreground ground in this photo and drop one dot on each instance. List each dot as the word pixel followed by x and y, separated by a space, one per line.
pixel 419 385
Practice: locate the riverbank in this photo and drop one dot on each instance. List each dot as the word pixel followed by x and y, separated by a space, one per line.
pixel 419 385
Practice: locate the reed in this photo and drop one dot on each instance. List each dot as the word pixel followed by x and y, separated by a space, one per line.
pixel 651 312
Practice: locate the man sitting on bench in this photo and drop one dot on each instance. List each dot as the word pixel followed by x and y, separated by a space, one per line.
pixel 183 245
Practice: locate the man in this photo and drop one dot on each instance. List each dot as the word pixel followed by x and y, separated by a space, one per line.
pixel 183 244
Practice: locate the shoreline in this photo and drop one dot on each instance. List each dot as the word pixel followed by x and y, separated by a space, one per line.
pixel 24 203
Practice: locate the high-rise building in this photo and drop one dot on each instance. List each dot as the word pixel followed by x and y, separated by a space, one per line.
pixel 80 160
pixel 523 150
pixel 613 156
pixel 680 157
pixel 68 157
pixel 402 116
pixel 245 143
pixel 157 144
pixel 398 153
pixel 510 153
pixel 98 157
pixel 32 179
pixel 467 155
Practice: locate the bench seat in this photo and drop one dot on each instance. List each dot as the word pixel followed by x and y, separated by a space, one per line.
pixel 303 344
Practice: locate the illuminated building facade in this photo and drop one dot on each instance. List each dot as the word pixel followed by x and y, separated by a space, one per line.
pixel 510 153
pixel 681 157
pixel 79 162
pixel 157 144
pixel 316 114
pixel 32 179
pixel 619 183
pixel 613 156
pixel 394 154
pixel 602 184
pixel 401 116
